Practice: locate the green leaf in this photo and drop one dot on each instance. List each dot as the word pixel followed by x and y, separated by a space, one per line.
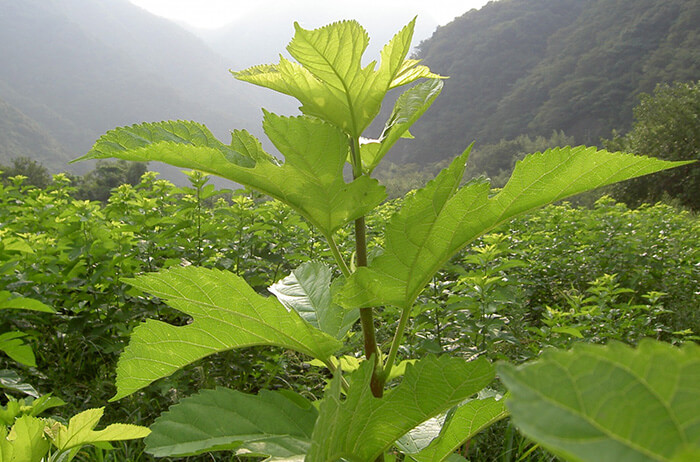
pixel 274 424
pixel 25 442
pixel 462 424
pixel 226 312
pixel 441 219
pixel 15 244
pixel 610 403
pixel 569 330
pixel 410 71
pixel 310 181
pixel 8 302
pixel 11 381
pixel 80 431
pixel 409 107
pixel 361 427
pixel 308 291
pixel 329 79
pixel 12 344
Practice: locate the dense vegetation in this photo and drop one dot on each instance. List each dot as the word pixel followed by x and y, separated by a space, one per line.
pixel 522 67
pixel 88 267
pixel 666 126
pixel 561 276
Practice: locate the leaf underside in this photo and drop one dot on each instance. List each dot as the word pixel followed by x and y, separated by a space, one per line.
pixel 272 423
pixel 226 312
pixel 610 403
pixel 361 427
pixel 442 218
pixel 307 290
pixel 462 424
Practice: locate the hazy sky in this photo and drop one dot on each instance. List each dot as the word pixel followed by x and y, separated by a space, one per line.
pixel 210 14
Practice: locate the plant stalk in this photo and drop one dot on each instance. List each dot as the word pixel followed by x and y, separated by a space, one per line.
pixel 396 342
pixel 366 314
pixel 337 256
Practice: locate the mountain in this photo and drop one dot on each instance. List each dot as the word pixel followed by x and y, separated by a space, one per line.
pixel 20 136
pixel 77 68
pixel 537 66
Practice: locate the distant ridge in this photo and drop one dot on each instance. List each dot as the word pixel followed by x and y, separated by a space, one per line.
pixel 535 66
pixel 78 68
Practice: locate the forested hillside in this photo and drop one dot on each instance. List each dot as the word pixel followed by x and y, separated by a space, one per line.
pixel 75 68
pixel 20 136
pixel 531 67
pixel 558 69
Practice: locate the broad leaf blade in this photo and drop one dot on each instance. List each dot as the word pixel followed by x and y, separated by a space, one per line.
pixel 441 219
pixel 361 427
pixel 462 424
pixel 333 53
pixel 610 403
pixel 277 424
pixel 310 181
pixel 8 302
pixel 80 431
pixel 13 345
pixel 308 291
pixel 25 441
pixel 226 312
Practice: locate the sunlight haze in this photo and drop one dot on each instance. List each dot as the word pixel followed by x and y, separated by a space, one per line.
pixel 212 14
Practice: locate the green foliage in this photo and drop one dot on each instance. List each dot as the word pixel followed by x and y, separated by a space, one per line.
pixel 438 439
pixel 226 314
pixel 610 403
pixel 97 184
pixel 35 174
pixel 201 311
pixel 666 126
pixel 277 424
pixel 362 427
pixel 30 438
pixel 308 291
pixel 440 219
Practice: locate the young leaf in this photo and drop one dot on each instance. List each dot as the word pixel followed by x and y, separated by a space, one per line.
pixel 439 220
pixel 25 441
pixel 610 403
pixel 79 431
pixel 271 424
pixel 226 312
pixel 308 291
pixel 310 181
pixel 362 427
pixel 330 81
pixel 409 107
pixel 462 424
